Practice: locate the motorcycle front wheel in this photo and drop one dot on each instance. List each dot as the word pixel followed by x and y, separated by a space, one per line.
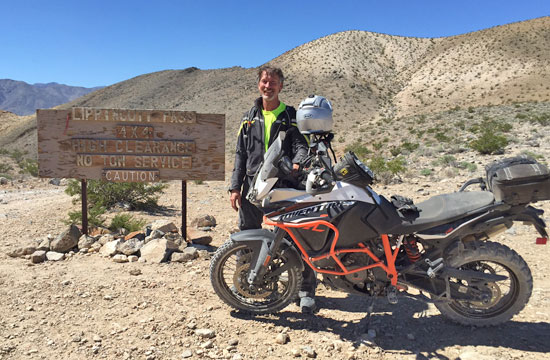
pixel 507 298
pixel 229 269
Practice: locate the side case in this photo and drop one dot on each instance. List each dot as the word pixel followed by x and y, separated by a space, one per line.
pixel 519 180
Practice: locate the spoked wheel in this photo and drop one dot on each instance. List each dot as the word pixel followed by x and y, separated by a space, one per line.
pixel 500 300
pixel 229 270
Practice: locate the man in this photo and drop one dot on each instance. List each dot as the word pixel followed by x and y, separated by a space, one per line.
pixel 260 126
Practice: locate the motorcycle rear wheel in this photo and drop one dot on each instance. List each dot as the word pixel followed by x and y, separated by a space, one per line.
pixel 229 269
pixel 508 297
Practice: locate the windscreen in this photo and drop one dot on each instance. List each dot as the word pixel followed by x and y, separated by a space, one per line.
pixel 269 168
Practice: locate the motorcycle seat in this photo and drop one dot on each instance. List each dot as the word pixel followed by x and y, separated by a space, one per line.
pixel 442 209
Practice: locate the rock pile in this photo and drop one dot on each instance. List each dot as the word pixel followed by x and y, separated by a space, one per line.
pixel 159 242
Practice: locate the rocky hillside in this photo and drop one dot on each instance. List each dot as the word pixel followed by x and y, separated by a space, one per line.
pixel 372 79
pixel 23 99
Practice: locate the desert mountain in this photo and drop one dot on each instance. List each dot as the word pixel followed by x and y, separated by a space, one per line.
pixel 21 98
pixel 369 77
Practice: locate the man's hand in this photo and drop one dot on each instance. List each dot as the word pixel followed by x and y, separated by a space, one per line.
pixel 295 168
pixel 235 199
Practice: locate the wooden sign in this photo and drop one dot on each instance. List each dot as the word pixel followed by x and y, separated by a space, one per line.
pixel 130 145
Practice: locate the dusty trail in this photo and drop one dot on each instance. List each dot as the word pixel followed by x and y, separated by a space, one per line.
pixel 89 307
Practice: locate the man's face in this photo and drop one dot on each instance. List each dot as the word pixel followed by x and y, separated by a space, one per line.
pixel 270 86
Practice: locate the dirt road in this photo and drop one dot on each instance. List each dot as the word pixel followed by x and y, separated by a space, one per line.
pixel 90 307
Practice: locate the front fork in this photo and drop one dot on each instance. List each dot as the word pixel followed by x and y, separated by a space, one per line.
pixel 264 257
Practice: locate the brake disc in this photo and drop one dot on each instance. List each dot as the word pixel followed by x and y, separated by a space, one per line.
pixel 240 280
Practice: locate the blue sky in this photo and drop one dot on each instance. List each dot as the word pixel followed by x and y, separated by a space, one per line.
pixel 92 43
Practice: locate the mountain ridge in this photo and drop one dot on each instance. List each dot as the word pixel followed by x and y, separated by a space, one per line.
pixel 22 98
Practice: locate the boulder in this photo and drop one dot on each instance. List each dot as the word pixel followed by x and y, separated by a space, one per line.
pixel 204 221
pixel 175 237
pixel 110 248
pixel 188 254
pixel 55 181
pixel 22 251
pixel 177 258
pixel 44 244
pixel 66 240
pixel 164 225
pixel 38 256
pixel 130 246
pixel 86 242
pixel 16 252
pixel 205 333
pixel 120 258
pixel 198 237
pixel 54 256
pixel 3 181
pixel 157 250
pixel 104 239
pixel 96 246
pixel 98 232
pixel 156 234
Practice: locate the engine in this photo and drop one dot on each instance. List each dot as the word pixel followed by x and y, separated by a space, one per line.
pixel 371 281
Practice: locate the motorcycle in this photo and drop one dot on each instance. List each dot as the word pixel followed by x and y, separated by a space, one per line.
pixel 362 243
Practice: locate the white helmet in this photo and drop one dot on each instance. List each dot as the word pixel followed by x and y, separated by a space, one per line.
pixel 314 115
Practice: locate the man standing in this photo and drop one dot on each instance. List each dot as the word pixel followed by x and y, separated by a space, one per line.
pixel 260 126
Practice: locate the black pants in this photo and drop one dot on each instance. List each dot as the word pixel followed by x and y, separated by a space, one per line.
pixel 250 217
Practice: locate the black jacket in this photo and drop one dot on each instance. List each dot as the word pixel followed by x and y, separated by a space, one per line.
pixel 250 142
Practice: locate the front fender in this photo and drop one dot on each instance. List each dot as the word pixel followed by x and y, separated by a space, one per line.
pixel 258 240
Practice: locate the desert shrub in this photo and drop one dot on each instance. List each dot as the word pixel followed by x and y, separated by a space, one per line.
pixel 445 161
pixel 521 116
pixel 471 167
pixel 426 172
pixel 94 216
pixel 198 182
pixel 29 166
pixel 126 221
pixel 534 155
pixel 489 143
pixel 17 155
pixel 491 125
pixel 395 150
pixel 409 146
pixel 396 165
pixel 377 164
pixel 107 194
pixel 4 168
pixel 541 119
pixel 359 149
pixel 377 146
pixel 490 140
pixel 384 170
pixel 441 137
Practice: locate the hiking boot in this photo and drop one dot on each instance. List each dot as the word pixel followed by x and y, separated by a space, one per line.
pixel 307 305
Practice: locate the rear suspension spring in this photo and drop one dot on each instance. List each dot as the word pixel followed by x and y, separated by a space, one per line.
pixel 411 248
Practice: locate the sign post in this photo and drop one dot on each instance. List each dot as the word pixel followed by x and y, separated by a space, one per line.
pixel 122 145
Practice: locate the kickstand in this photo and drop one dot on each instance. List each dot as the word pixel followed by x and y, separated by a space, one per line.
pixel 370 309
